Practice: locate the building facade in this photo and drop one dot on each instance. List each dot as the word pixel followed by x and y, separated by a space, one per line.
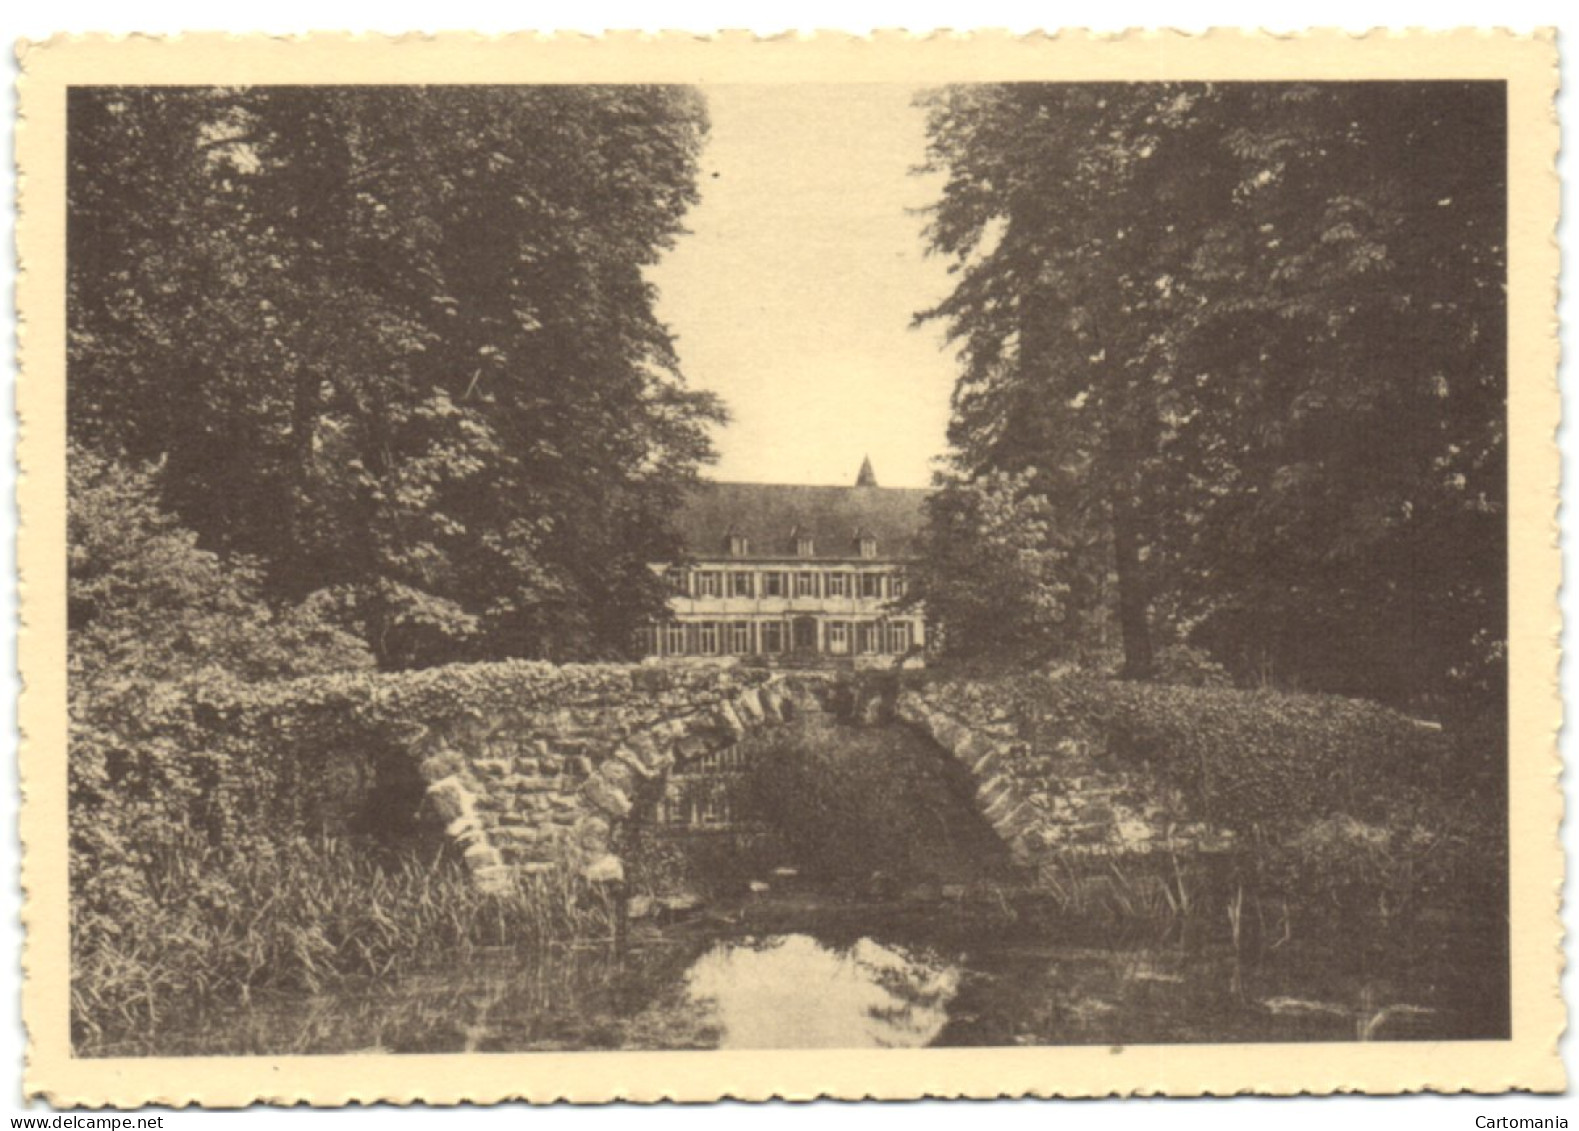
pixel 791 574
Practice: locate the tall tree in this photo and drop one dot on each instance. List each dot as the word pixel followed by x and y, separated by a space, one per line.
pixel 1042 214
pixel 1255 332
pixel 397 344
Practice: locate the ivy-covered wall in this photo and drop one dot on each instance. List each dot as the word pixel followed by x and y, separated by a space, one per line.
pixel 1068 765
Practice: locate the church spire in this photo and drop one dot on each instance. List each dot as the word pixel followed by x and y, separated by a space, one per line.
pixel 867 478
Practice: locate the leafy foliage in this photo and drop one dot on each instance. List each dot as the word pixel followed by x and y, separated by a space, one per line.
pixel 1269 758
pixel 146 604
pixel 396 344
pixel 152 619
pixel 853 803
pixel 1190 667
pixel 202 781
pixel 998 573
pixel 1248 339
pixel 1245 759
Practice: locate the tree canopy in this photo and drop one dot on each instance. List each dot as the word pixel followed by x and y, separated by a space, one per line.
pixel 1247 340
pixel 396 345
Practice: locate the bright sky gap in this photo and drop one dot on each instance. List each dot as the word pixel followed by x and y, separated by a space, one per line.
pixel 792 297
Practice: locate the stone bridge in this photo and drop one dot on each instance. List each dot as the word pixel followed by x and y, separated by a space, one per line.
pixel 531 767
pixel 548 778
pixel 526 792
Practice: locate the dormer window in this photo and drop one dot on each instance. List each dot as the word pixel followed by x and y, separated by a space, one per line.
pixel 805 547
pixel 868 546
pixel 739 545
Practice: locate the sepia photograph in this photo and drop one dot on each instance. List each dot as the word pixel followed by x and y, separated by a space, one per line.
pixel 619 567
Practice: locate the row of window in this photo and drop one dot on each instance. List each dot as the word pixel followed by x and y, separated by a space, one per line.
pixel 768 638
pixel 781 583
pixel 805 546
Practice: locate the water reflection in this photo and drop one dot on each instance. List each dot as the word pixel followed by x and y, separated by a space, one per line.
pixel 791 991
pixel 903 984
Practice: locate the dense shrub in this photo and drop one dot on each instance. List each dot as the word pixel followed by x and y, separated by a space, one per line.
pixel 855 802
pixel 1267 757
pixel 203 778
pixel 1003 574
pixel 1189 667
pixel 146 603
pixel 1427 852
pixel 155 624
pixel 1244 758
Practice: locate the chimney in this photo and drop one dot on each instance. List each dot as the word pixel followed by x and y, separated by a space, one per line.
pixel 867 478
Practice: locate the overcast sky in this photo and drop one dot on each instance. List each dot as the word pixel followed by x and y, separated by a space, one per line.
pixel 793 295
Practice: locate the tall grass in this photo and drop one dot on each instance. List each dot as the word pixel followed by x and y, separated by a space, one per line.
pixel 222 925
pixel 1122 892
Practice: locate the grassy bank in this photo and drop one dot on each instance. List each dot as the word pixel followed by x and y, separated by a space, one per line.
pixel 221 926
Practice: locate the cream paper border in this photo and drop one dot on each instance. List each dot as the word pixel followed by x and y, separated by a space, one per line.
pixel 1528 1061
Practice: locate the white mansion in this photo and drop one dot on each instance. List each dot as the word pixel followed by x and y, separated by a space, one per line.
pixel 793 574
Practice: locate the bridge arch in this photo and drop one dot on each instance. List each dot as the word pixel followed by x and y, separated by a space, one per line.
pixel 511 819
pixel 649 755
pixel 528 767
pixel 552 781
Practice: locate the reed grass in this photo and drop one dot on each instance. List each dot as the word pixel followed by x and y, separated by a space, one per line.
pixel 1121 892
pixel 223 925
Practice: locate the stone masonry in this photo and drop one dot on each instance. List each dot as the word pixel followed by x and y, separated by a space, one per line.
pixel 524 793
pixel 1051 798
pixel 532 767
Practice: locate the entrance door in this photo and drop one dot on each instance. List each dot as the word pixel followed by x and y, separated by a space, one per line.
pixel 805 631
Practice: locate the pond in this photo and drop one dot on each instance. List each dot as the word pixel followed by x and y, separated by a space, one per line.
pixel 842 975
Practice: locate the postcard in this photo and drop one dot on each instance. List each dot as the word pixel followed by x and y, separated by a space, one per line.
pixel 683 567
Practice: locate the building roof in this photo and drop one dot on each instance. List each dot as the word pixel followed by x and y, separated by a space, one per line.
pixel 772 515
